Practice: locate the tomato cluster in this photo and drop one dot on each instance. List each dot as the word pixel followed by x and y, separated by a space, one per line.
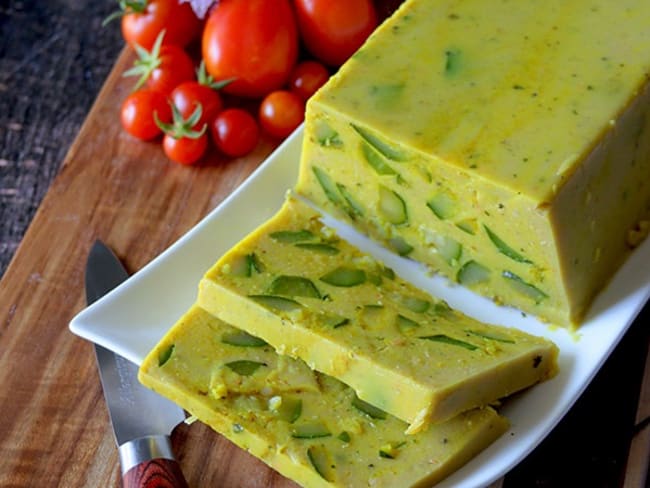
pixel 258 62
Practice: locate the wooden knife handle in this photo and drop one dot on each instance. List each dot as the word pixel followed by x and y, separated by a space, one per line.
pixel 156 473
pixel 148 462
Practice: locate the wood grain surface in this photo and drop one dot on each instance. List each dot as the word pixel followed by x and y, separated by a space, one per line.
pixel 126 193
pixel 54 427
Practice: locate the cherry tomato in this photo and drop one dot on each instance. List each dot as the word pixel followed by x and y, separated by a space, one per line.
pixel 307 77
pixel 138 110
pixel 142 21
pixel 175 67
pixel 163 68
pixel 235 132
pixel 204 91
pixel 281 112
pixel 188 94
pixel 333 30
pixel 185 141
pixel 185 150
pixel 253 41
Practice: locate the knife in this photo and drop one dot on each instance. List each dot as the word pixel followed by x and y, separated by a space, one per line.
pixel 142 420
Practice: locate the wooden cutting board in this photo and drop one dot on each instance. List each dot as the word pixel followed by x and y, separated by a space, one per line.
pixel 55 426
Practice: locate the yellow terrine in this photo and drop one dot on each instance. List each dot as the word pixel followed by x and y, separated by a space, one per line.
pixel 505 144
pixel 313 296
pixel 308 426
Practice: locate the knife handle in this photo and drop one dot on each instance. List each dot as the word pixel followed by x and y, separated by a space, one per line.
pixel 148 462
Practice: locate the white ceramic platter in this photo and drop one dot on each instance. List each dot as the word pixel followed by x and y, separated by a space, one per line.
pixel 134 316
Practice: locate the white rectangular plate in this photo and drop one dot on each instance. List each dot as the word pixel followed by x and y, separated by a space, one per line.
pixel 132 318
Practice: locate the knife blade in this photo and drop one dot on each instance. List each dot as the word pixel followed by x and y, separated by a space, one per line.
pixel 142 420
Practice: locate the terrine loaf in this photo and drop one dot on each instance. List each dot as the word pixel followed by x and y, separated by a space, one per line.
pixel 313 296
pixel 308 426
pixel 505 144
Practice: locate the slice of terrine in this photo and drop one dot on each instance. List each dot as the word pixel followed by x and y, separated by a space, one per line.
pixel 308 426
pixel 313 296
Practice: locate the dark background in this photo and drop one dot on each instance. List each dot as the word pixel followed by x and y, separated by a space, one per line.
pixel 54 57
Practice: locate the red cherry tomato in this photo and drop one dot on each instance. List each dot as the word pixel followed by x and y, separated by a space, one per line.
pixel 184 142
pixel 253 41
pixel 188 94
pixel 235 132
pixel 175 67
pixel 185 150
pixel 138 110
pixel 307 77
pixel 281 112
pixel 142 25
pixel 333 30
pixel 162 68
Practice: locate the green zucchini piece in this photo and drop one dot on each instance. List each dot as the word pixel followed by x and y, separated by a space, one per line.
pixel 354 206
pixel 392 206
pixel 390 450
pixel 242 339
pixel 452 61
pixel 468 225
pixel 523 287
pixel 318 247
pixel 400 246
pixel 256 263
pixel 326 136
pixel 442 205
pixel 244 265
pixel 472 273
pixel 401 181
pixel 388 273
pixel 387 452
pixel 441 308
pixel 244 367
pixel 345 277
pixel 320 460
pixel 376 160
pixel 383 147
pixel 328 185
pixel 367 408
pixel 335 321
pixel 504 248
pixel 165 354
pixel 415 304
pixel 344 436
pixel 276 302
pixel 445 339
pixel 404 323
pixel 292 236
pixel 449 249
pixel 241 266
pixel 288 409
pixel 312 430
pixel 491 337
pixel 293 286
